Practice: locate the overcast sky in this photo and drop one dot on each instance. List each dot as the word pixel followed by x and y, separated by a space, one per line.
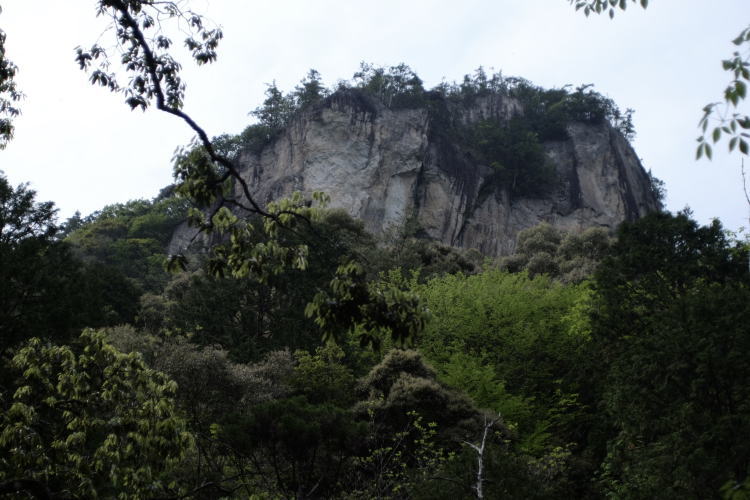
pixel 82 148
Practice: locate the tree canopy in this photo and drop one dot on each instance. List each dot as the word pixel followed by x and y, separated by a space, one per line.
pixel 88 424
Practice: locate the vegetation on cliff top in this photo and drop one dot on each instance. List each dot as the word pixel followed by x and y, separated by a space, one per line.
pixel 512 146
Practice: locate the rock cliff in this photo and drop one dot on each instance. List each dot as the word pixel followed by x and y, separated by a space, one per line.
pixel 387 166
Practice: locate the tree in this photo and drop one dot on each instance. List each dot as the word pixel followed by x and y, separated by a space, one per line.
pixel 396 86
pixel 569 257
pixel 276 111
pixel 670 343
pixel 403 382
pixel 87 424
pixel 310 90
pixel 515 154
pixel 516 346
pixel 130 239
pixel 41 279
pixel 301 444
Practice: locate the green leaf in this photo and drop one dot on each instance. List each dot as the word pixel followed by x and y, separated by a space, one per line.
pixel 176 263
pixel 716 134
pixel 743 147
pixel 741 89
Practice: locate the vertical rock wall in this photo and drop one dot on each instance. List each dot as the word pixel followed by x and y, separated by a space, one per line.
pixel 385 166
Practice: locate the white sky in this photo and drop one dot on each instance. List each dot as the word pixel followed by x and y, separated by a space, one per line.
pixel 82 148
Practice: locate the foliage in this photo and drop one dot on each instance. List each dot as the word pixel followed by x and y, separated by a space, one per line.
pixel 604 6
pixel 372 310
pixel 255 314
pixel 396 86
pixel 550 111
pixel 569 257
pixel 9 94
pixel 515 154
pixel 92 423
pixel 730 122
pixel 47 292
pixel 645 373
pixel 525 337
pixel 669 331
pixel 546 112
pixel 145 51
pixel 402 382
pixel 130 239
pixel 383 472
pixel 300 445
pixel 404 248
pixel 276 110
pixel 658 189
pixel 240 315
pixel 310 90
pixel 21 216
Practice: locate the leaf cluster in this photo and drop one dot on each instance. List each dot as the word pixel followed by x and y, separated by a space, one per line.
pixel 730 122
pixel 144 51
pixel 9 94
pixel 371 310
pixel 604 6
pixel 570 257
pixel 670 346
pixel 90 423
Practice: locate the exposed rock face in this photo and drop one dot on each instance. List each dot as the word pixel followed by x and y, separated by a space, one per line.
pixel 385 166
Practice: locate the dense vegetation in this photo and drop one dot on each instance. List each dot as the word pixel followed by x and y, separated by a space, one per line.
pixel 583 366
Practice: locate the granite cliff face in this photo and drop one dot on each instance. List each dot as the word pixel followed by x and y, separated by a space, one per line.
pixel 385 166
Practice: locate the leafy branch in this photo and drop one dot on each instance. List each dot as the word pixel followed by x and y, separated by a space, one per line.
pixel 604 6
pixel 9 94
pixel 729 121
pixel 206 175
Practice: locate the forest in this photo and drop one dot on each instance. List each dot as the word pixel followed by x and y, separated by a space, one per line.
pixel 582 366
pixel 289 353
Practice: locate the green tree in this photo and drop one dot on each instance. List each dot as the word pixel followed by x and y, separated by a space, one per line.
pixel 43 290
pixel 513 343
pixel 276 111
pixel 130 239
pixel 569 257
pixel 401 383
pixel 310 90
pixel 88 423
pixel 396 86
pixel 301 445
pixel 515 154
pixel 670 345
